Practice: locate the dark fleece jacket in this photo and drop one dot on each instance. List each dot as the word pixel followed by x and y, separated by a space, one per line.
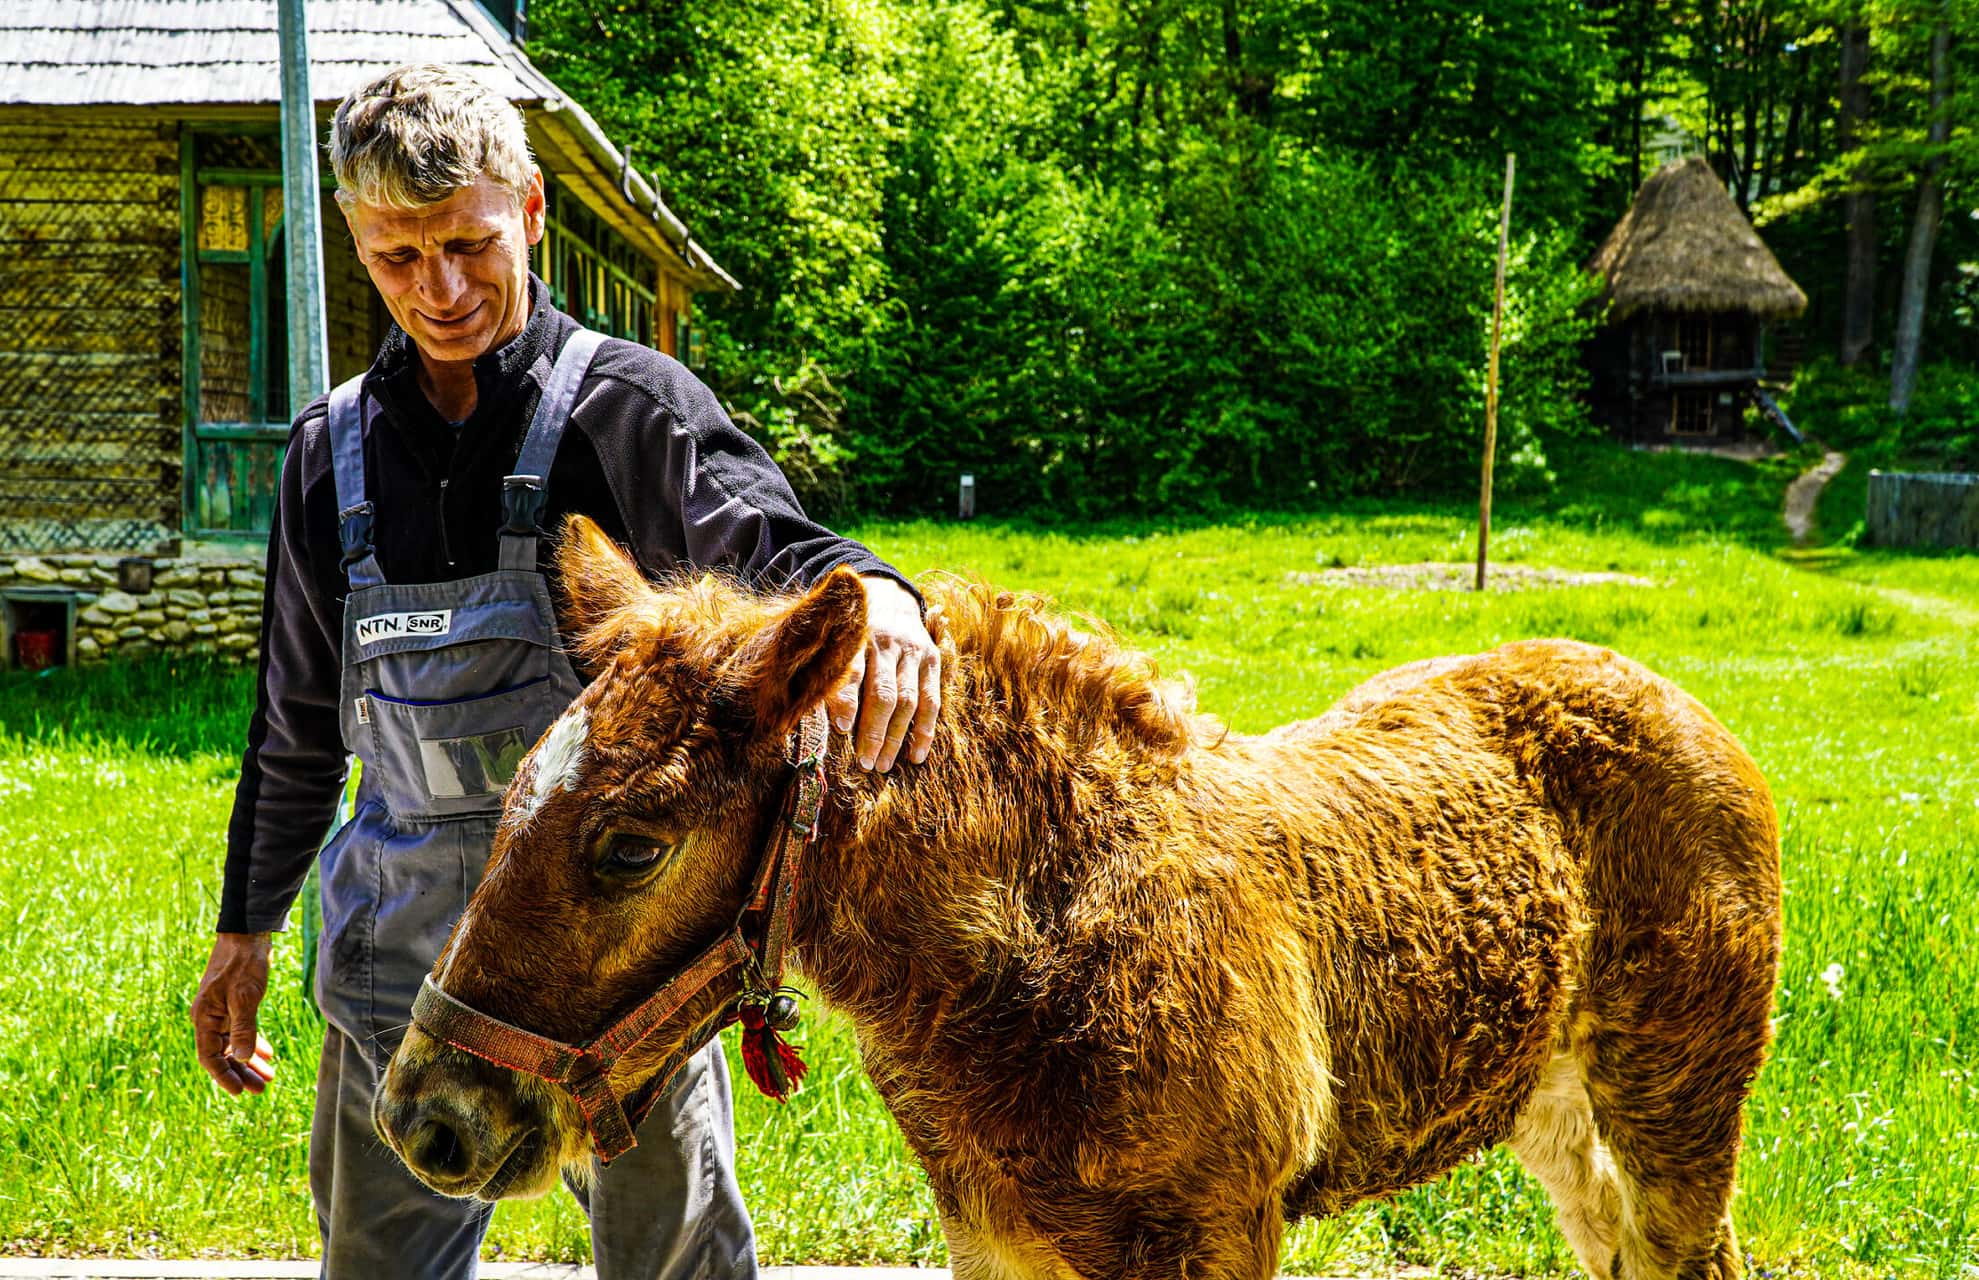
pixel 648 454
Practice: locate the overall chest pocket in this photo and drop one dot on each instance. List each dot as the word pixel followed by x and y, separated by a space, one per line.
pixel 449 759
pixel 447 702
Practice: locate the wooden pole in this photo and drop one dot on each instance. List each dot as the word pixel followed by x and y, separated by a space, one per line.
pixel 309 363
pixel 1491 379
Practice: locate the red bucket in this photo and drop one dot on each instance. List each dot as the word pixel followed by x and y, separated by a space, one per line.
pixel 38 650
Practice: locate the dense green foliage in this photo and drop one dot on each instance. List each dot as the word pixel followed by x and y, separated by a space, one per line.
pixel 1105 257
pixel 1856 689
pixel 1940 433
pixel 1191 255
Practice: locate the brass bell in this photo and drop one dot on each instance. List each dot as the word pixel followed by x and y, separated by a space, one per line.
pixel 781 1013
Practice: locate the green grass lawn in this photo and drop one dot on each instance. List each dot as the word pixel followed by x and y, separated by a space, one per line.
pixel 1851 676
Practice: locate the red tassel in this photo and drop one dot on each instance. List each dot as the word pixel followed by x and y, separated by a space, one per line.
pixel 772 1064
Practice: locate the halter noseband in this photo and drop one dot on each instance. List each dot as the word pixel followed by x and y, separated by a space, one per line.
pixel 748 969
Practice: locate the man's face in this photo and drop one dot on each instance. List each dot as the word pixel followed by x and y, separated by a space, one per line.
pixel 455 275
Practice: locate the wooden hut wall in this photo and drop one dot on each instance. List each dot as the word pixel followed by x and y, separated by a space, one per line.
pixel 674 326
pixel 1634 394
pixel 89 333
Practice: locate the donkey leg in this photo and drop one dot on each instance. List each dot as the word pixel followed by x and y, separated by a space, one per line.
pixel 1557 1142
pixel 1240 1243
pixel 1670 1059
pixel 1156 1236
pixel 978 1254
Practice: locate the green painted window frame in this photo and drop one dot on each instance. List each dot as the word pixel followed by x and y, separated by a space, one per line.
pixel 577 240
pixel 239 449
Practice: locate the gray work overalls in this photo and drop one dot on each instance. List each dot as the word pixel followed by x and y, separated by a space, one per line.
pixel 445 686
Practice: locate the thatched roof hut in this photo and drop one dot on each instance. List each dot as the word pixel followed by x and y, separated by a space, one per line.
pixel 1684 246
pixel 1690 290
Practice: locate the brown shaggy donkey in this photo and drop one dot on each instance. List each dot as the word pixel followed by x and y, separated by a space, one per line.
pixel 1136 988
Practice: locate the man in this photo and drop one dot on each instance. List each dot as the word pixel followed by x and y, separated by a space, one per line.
pixel 408 622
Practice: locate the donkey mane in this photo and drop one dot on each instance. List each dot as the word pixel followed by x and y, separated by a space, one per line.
pixel 1031 653
pixel 1025 650
pixel 706 613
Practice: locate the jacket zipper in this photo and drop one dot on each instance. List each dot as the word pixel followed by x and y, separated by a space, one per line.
pixel 446 549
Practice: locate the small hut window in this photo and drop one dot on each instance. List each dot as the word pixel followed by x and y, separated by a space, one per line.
pixel 1694 340
pixel 1690 413
pixel 235 361
pixel 236 394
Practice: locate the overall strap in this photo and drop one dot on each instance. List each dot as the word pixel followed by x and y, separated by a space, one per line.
pixel 354 510
pixel 525 493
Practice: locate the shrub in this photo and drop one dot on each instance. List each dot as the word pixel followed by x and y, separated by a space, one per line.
pixel 1849 409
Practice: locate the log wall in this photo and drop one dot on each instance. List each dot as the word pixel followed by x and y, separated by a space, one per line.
pixel 355 316
pixel 89 334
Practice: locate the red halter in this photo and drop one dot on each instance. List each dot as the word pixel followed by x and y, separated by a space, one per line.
pixel 748 969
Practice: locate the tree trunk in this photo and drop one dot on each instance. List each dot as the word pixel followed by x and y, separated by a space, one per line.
pixel 1859 204
pixel 1923 231
pixel 1639 91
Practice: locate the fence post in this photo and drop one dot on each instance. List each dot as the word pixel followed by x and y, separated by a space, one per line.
pixel 1491 378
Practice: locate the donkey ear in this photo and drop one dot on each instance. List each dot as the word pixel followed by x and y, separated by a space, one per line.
pixel 598 581
pixel 801 659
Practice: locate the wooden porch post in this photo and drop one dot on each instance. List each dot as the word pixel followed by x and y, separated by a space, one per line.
pixel 309 359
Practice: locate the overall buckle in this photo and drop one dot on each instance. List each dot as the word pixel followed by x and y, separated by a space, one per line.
pixel 354 532
pixel 523 499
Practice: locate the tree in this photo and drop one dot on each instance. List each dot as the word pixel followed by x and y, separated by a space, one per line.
pixel 1859 200
pixel 1924 228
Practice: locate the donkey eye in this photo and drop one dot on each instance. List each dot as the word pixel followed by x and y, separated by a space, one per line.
pixel 629 854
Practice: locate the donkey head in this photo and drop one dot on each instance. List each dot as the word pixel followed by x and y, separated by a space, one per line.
pixel 628 842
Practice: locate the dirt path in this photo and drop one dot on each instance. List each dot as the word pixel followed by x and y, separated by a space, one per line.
pixel 1805 491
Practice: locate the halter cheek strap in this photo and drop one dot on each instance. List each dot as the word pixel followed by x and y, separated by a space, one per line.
pixel 744 967
pixel 586 1069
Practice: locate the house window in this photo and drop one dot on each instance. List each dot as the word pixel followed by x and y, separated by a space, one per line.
pixel 687 346
pixel 594 275
pixel 235 372
pixel 236 353
pixel 1690 413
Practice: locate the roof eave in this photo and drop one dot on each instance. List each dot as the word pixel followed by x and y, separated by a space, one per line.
pixel 610 174
pixel 1774 305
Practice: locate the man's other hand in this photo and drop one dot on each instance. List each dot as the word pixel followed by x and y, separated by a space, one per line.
pixel 895 683
pixel 223 1013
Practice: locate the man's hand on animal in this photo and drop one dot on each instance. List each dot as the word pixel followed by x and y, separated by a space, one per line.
pixel 895 682
pixel 431 650
pixel 238 1058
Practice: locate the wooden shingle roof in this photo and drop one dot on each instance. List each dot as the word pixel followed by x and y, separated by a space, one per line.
pixel 184 52
pixel 162 54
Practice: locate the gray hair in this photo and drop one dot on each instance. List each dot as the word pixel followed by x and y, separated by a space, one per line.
pixel 421 132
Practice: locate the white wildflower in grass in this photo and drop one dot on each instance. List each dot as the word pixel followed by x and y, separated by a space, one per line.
pixel 1831 977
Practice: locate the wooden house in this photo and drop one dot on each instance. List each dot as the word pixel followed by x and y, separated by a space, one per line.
pixel 143 367
pixel 1689 290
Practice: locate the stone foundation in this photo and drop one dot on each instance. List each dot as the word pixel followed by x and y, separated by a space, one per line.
pixel 195 606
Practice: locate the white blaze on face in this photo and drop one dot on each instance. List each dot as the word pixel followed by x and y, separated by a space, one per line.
pixel 558 758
